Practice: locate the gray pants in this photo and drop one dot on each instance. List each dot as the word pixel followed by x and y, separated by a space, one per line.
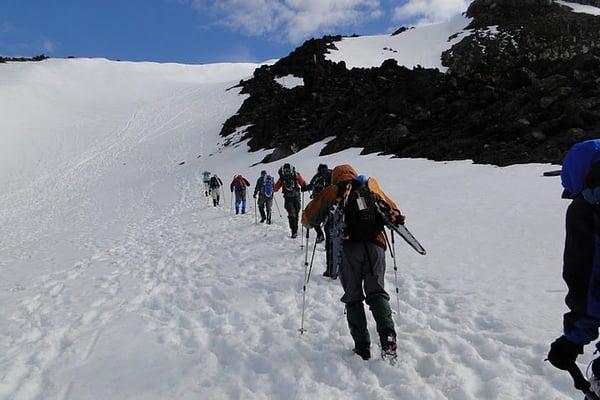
pixel 363 266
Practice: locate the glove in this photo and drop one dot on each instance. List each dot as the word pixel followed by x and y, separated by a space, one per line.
pixel 400 220
pixel 563 353
pixel 254 195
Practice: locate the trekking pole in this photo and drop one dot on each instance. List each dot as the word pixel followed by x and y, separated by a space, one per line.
pixel 302 229
pixel 231 202
pixel 393 254
pixel 277 205
pixel 305 284
pixel 255 215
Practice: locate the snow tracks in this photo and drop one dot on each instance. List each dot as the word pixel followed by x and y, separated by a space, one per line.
pixel 200 303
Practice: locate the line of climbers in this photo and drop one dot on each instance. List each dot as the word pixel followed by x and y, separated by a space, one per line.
pixel 345 211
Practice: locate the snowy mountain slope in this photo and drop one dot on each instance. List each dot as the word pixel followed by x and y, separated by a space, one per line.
pixel 119 281
pixel 580 8
pixel 423 46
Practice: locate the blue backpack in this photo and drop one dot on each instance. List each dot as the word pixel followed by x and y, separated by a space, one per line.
pixel 268 186
pixel 577 166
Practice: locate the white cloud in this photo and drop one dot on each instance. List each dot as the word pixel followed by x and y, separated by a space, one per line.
pixel 292 20
pixel 426 11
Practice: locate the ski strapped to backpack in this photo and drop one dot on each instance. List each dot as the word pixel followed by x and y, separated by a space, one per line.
pixel 365 216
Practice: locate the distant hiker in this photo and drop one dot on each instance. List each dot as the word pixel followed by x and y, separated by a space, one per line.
pixel 581 262
pixel 361 253
pixel 320 181
pixel 264 189
pixel 206 180
pixel 214 185
pixel 291 184
pixel 238 185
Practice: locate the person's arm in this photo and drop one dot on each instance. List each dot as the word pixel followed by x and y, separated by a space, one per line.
pixel 231 187
pixel 311 185
pixel 246 182
pixel 278 185
pixel 316 210
pixel 301 181
pixel 258 186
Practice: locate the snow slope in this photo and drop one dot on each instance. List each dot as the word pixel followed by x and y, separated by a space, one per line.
pixel 580 8
pixel 423 46
pixel 119 281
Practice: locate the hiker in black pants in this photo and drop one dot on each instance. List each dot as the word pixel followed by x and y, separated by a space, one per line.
pixel 291 183
pixel 264 190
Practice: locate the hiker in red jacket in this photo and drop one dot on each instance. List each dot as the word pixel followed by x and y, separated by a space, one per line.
pixel 291 183
pixel 238 185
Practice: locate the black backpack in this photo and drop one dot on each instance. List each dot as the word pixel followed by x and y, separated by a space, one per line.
pixel 290 181
pixel 214 183
pixel 362 216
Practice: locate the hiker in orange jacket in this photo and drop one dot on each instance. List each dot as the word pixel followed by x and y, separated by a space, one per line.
pixel 362 264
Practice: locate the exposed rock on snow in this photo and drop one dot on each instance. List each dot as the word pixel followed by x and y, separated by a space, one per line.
pixel 531 60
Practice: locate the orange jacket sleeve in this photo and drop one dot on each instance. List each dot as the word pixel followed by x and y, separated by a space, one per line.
pixel 316 210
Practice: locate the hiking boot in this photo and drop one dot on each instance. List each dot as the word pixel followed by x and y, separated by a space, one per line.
pixel 237 212
pixel 243 211
pixel 262 220
pixel 326 274
pixel 363 350
pixel 294 235
pixel 388 345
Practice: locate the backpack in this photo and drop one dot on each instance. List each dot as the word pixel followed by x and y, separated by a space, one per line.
pixel 239 184
pixel 214 183
pixel 290 181
pixel 321 182
pixel 268 186
pixel 362 216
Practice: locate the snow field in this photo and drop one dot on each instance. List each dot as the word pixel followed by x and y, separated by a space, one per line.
pixel 422 45
pixel 118 280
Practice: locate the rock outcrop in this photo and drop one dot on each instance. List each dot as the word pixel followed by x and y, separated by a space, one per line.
pixel 522 87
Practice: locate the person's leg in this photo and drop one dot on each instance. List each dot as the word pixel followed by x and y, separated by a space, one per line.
pixel 269 205
pixel 261 208
pixel 351 280
pixel 238 201
pixel 376 296
pixel 320 236
pixel 288 204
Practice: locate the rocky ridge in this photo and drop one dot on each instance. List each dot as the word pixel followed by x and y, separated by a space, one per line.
pixel 522 87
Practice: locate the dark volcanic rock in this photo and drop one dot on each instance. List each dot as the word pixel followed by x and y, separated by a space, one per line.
pixel 522 91
pixel 41 57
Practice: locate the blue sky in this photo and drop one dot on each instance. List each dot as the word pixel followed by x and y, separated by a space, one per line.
pixel 198 31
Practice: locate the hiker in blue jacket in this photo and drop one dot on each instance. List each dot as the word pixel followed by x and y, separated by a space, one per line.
pixel 581 260
pixel 264 191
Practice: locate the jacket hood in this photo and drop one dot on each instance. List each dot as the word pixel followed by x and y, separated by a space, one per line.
pixel 343 173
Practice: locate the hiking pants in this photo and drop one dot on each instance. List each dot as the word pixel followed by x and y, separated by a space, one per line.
pixel 264 206
pixel 206 188
pixel 292 206
pixel 362 273
pixel 581 272
pixel 240 201
pixel 216 195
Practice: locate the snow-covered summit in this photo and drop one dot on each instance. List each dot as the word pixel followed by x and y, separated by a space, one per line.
pixel 422 46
